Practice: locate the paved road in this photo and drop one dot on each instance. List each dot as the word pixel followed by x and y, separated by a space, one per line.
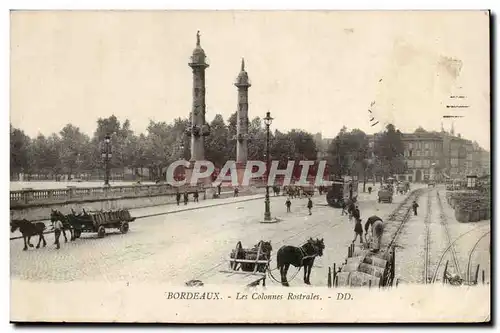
pixel 178 247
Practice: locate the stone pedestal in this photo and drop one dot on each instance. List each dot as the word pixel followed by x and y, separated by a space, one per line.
pixel 240 172
pixel 207 181
pixel 273 220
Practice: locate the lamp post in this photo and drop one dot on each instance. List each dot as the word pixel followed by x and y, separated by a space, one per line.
pixel 267 213
pixel 106 155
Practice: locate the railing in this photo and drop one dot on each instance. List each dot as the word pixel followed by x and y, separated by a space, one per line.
pixel 30 196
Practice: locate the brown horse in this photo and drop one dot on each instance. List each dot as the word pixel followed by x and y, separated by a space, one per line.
pixel 29 229
pixel 299 256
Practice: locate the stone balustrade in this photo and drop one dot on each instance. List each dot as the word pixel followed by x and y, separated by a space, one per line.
pixel 31 197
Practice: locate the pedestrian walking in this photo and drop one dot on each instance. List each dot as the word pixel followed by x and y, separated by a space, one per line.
pixel 58 226
pixel 218 189
pixel 186 198
pixel 351 209
pixel 288 204
pixel 358 230
pixel 369 190
pixel 344 207
pixel 178 198
pixel 195 196
pixel 310 205
pixel 356 214
pixel 236 191
pixel 377 226
pixel 415 206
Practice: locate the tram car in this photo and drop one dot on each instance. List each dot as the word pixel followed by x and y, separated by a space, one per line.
pixel 341 191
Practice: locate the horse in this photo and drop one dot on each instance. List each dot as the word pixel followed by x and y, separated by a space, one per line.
pixel 56 215
pixel 276 190
pixel 299 256
pixel 29 229
pixel 292 192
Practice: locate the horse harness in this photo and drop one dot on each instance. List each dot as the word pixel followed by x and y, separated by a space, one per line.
pixel 305 255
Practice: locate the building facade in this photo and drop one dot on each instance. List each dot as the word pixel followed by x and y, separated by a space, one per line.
pixel 431 155
pixel 439 156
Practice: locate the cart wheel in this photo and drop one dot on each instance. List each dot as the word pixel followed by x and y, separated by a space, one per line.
pixel 124 228
pixel 101 232
pixel 234 265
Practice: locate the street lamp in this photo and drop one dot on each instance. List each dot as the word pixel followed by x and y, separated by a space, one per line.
pixel 106 155
pixel 267 214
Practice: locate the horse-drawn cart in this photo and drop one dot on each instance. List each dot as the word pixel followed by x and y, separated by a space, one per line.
pixel 385 194
pixel 100 221
pixel 247 267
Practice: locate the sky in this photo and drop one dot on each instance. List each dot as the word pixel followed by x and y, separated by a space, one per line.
pixel 313 70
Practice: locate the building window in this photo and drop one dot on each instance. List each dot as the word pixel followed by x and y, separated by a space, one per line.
pixel 411 151
pixel 426 145
pixel 418 163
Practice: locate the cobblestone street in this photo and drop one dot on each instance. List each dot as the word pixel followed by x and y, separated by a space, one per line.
pixel 185 245
pixel 181 246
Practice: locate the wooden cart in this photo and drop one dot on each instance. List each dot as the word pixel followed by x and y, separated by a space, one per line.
pixel 247 267
pixel 100 221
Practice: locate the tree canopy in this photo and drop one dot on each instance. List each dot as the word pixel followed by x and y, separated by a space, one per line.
pixel 71 151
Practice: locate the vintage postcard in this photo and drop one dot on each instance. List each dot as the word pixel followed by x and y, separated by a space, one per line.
pixel 250 166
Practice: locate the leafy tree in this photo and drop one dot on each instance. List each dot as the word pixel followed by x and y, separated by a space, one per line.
pixel 348 153
pixel 216 144
pixel 73 144
pixel 305 146
pixel 43 156
pixel 257 143
pixel 389 149
pixel 19 151
pixel 282 148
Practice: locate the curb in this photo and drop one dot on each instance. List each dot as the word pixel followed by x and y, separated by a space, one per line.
pixel 166 213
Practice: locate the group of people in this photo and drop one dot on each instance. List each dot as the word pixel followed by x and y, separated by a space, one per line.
pixel 186 197
pixel 374 222
pixel 288 204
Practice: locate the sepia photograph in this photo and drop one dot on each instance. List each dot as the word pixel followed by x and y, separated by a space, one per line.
pixel 250 166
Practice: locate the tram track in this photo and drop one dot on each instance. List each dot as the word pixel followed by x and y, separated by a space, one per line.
pixel 402 214
pixel 427 223
pixel 471 252
pixel 444 223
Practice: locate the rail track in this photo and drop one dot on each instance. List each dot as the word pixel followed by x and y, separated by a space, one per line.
pixel 402 214
pixel 451 245
pixel 427 223
pixel 469 261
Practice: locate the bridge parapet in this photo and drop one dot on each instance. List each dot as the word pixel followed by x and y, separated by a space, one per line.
pixel 31 197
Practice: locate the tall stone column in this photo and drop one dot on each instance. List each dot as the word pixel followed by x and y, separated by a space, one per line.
pixel 197 128
pixel 242 83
